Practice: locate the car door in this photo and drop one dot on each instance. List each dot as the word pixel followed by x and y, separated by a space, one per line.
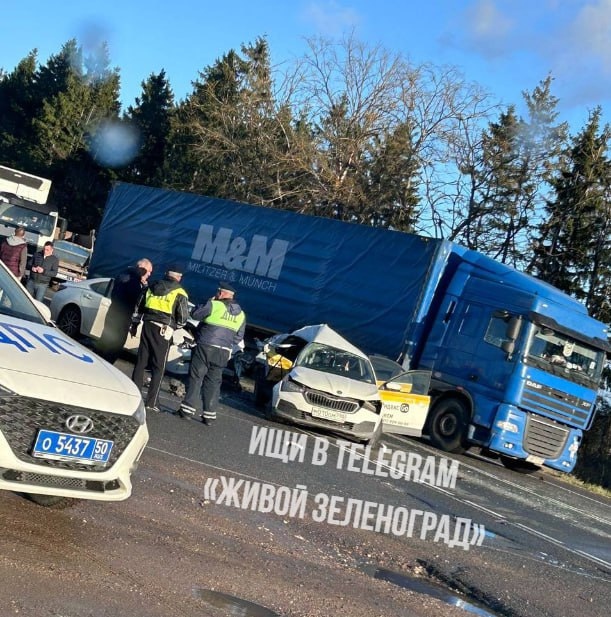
pixel 95 301
pixel 405 403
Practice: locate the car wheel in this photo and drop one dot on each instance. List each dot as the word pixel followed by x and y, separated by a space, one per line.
pixel 51 501
pixel 447 426
pixel 519 465
pixel 69 321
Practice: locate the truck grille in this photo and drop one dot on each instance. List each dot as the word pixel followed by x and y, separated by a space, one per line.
pixel 544 438
pixel 320 399
pixel 22 417
pixel 556 404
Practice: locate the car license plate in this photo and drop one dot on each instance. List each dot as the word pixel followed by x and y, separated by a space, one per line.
pixel 328 414
pixel 78 448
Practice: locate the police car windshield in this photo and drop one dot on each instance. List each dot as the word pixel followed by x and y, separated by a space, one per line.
pixel 15 301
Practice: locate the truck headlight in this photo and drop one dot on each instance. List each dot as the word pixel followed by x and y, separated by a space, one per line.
pixel 140 413
pixel 510 427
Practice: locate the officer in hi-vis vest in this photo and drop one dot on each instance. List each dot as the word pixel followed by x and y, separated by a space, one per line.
pixel 222 324
pixel 163 308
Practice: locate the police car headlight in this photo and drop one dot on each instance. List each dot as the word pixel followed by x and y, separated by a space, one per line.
pixel 140 413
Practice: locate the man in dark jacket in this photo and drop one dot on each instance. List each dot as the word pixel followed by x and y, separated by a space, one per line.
pixel 163 308
pixel 44 268
pixel 222 326
pixel 14 252
pixel 127 290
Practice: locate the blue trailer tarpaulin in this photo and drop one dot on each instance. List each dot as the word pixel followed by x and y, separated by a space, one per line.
pixel 289 270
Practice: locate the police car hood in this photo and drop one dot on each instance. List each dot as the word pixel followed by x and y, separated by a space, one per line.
pixel 336 385
pixel 42 362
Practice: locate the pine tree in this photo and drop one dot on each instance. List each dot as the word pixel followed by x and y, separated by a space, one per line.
pixel 151 116
pixel 573 251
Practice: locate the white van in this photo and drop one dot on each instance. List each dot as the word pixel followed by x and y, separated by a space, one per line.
pixel 71 425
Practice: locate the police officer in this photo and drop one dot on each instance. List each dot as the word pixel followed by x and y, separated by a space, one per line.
pixel 163 308
pixel 222 326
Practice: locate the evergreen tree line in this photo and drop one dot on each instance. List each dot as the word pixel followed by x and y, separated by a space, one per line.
pixel 347 131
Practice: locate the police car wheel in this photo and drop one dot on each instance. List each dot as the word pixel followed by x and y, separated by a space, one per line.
pixel 50 501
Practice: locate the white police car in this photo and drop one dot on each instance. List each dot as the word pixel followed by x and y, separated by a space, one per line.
pixel 71 425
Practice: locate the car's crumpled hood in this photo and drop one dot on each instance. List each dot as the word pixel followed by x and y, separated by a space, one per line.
pixel 42 362
pixel 335 384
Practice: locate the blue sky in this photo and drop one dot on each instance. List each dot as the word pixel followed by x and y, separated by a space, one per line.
pixel 507 46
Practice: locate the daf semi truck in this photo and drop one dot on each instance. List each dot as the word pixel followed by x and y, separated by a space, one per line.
pixel 516 363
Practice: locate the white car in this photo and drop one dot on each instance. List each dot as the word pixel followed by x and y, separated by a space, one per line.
pixel 79 309
pixel 71 425
pixel 332 385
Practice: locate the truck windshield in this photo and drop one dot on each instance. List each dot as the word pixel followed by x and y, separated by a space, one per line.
pixel 15 301
pixel 563 355
pixel 20 216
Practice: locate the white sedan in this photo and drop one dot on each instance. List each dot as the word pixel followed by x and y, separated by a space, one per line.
pixel 79 309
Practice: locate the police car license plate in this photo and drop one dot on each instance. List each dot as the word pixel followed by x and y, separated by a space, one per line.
pixel 328 414
pixel 77 448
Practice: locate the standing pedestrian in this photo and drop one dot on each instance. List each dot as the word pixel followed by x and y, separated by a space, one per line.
pixel 14 252
pixel 44 268
pixel 163 308
pixel 222 326
pixel 127 290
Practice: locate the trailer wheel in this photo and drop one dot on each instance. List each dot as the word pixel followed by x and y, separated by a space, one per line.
pixel 69 321
pixel 519 465
pixel 447 426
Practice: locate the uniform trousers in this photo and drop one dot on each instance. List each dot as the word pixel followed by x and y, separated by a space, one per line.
pixel 205 377
pixel 153 351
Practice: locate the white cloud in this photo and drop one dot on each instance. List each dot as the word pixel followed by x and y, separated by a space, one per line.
pixel 591 33
pixel 487 29
pixel 331 18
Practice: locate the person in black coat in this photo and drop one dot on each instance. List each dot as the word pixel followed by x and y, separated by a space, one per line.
pixel 126 293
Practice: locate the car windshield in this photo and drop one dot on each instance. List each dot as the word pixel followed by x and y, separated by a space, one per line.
pixel 32 220
pixel 565 356
pixel 15 301
pixel 328 359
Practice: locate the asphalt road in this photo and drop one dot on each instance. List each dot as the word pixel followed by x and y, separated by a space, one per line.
pixel 189 532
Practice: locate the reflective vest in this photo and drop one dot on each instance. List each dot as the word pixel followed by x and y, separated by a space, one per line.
pixel 221 317
pixel 163 304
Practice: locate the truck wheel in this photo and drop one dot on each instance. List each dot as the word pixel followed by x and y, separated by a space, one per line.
pixel 519 465
pixel 447 426
pixel 69 321
pixel 51 501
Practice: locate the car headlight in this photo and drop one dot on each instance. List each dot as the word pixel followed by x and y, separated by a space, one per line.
pixel 509 427
pixel 371 406
pixel 291 385
pixel 140 413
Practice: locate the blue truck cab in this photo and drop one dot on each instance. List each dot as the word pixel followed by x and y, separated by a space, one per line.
pixel 516 364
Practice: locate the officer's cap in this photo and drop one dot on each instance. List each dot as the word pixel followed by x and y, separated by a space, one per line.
pixel 226 287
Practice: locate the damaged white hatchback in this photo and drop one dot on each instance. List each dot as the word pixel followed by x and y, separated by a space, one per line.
pixel 71 425
pixel 332 385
